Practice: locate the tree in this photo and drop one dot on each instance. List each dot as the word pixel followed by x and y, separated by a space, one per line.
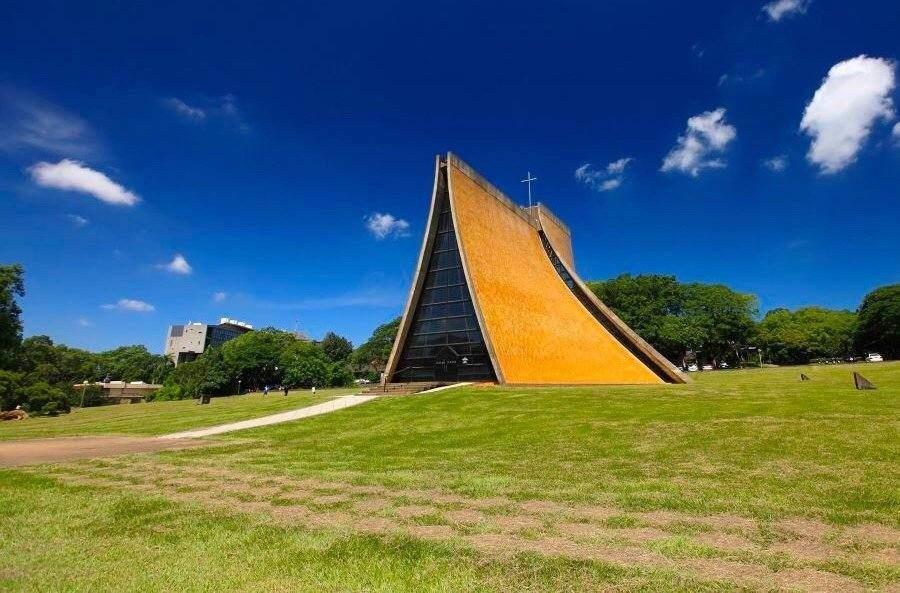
pixel 10 390
pixel 812 332
pixel 879 322
pixel 253 358
pixel 644 302
pixel 43 399
pixel 374 353
pixel 305 365
pixel 132 363
pixel 12 285
pixel 675 317
pixel 336 348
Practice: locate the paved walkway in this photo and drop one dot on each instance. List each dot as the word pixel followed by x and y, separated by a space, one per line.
pixel 323 408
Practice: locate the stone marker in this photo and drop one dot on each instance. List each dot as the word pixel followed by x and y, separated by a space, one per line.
pixel 804 377
pixel 861 382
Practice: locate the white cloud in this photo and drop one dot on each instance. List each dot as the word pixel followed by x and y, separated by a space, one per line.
pixel 776 163
pixel 386 225
pixel 853 96
pixel 30 123
pixel 706 135
pixel 606 179
pixel 896 131
pixel 77 220
pixel 84 322
pixel 130 305
pixel 223 109
pixel 75 176
pixel 178 265
pixel 219 297
pixel 778 9
pixel 184 110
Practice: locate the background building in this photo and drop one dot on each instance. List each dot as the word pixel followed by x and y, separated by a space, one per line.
pixel 186 342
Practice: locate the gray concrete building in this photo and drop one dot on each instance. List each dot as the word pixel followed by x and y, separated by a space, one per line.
pixel 186 342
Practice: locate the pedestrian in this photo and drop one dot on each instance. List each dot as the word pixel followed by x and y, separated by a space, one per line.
pixel 266 390
pixel 285 390
pixel 314 390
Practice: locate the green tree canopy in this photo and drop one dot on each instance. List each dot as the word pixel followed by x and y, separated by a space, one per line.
pixel 795 337
pixel 254 357
pixel 12 285
pixel 676 317
pixel 336 348
pixel 879 322
pixel 373 354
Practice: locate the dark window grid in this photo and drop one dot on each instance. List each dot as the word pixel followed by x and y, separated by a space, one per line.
pixel 456 267
pixel 445 286
pixel 446 331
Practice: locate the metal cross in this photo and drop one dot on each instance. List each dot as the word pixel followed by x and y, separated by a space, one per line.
pixel 528 179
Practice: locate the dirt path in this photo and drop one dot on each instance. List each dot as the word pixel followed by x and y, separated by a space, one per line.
pixel 34 451
pixel 54 450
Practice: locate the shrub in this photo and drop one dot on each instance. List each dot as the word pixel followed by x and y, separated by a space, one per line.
pixel 168 392
pixel 10 390
pixel 44 400
pixel 341 376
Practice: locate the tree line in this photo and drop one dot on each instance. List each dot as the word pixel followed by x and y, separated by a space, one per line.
pixel 706 322
pixel 713 323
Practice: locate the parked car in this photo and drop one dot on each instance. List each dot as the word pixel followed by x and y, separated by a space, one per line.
pixel 692 368
pixel 723 365
pixel 362 381
pixel 707 367
pixel 874 357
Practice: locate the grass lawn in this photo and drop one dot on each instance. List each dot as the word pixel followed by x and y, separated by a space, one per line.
pixel 742 480
pixel 156 418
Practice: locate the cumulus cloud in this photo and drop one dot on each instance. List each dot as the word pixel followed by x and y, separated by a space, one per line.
pixel 776 163
pixel 184 110
pixel 853 97
pixel 603 179
pixel 77 220
pixel 130 305
pixel 386 225
pixel 28 123
pixel 706 136
pixel 178 265
pixel 778 9
pixel 75 176
pixel 219 297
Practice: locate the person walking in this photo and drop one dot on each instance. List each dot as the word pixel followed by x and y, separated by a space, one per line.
pixel 285 390
pixel 266 390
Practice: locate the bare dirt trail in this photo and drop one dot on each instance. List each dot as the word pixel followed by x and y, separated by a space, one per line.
pixel 53 450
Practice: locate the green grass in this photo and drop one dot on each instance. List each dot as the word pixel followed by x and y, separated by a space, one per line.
pixel 758 444
pixel 162 417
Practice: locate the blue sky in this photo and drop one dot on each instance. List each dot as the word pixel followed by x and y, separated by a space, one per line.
pixel 162 162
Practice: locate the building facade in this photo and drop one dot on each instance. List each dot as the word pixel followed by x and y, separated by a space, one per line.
pixel 496 298
pixel 186 342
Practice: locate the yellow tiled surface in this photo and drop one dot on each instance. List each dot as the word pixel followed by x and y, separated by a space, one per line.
pixel 559 238
pixel 539 331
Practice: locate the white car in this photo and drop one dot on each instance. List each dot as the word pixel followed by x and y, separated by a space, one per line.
pixel 692 368
pixel 874 357
pixel 707 367
pixel 723 365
